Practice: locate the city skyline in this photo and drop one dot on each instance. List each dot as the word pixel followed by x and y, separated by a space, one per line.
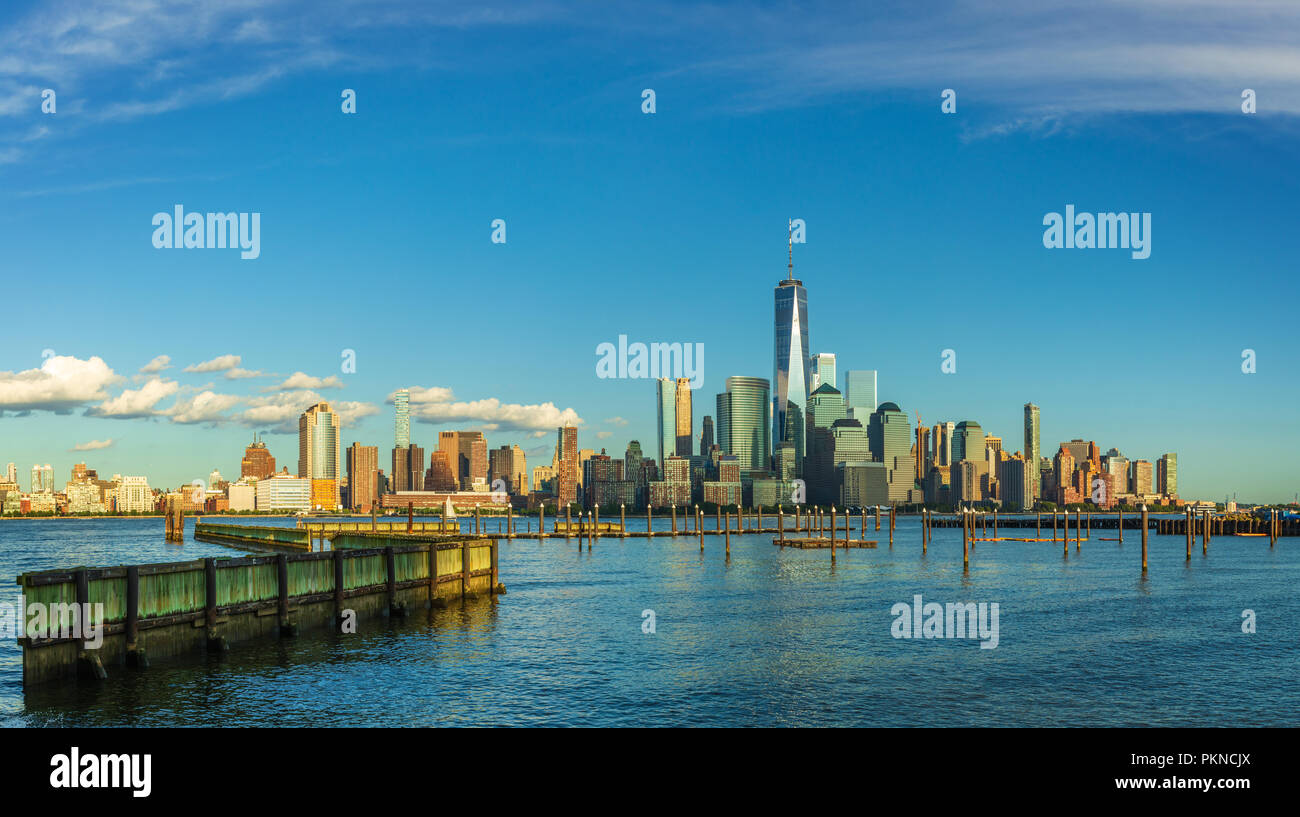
pixel 912 218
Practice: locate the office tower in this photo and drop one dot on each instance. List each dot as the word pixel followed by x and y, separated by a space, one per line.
pixel 544 479
pixel 519 477
pixel 42 479
pixel 408 468
pixel 783 462
pixel 890 436
pixel 943 434
pixel 363 476
pixel 257 462
pixel 825 406
pixel 1078 449
pixel 634 470
pixel 666 406
pixel 1116 465
pixel 441 475
pixel 402 424
pixel 134 495
pixel 860 394
pixel 922 451
pixel 743 422
pixel 967 442
pixel 1033 445
pixel 823 369
pixel 466 452
pixel 566 446
pixel 1140 477
pixel 706 435
pixel 584 454
pixel 1167 474
pixel 685 419
pixel 502 466
pixel 319 454
pixel 791 375
pixel 11 474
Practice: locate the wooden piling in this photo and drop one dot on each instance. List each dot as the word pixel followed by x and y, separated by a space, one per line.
pixel 728 534
pixel 780 527
pixel 893 512
pixel 674 518
pixel 966 525
pixel 699 526
pixel 877 516
pixel 622 518
pixel 1121 525
pixel 1144 540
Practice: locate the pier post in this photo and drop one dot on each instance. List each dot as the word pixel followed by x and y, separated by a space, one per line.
pixel 464 568
pixel 595 523
pixel 133 613
pixel 728 536
pixel 1054 516
pixel 1078 529
pixel 699 526
pixel 622 519
pixel 674 518
pixel 649 520
pixel 967 525
pixel 338 585
pixel 1144 540
pixel 1038 526
pixel 877 516
pixel 1121 525
pixel 568 520
pixel 995 524
pixel 1189 543
pixel 510 522
pixel 832 533
pixel 492 587
pixel 760 518
pixel 1187 525
pixel 718 525
pixel 780 526
pixel 373 519
pixel 893 512
pixel 541 521
pixel 1273 516
pixel 390 566
pixel 1205 534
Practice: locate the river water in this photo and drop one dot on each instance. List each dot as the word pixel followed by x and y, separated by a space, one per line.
pixel 771 637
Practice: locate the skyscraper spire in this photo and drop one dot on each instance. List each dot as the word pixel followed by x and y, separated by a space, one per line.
pixel 790 249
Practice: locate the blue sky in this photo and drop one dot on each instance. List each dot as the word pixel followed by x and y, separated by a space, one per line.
pixel 924 230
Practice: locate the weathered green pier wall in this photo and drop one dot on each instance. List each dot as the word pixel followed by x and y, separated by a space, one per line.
pixel 158 610
pixel 253 537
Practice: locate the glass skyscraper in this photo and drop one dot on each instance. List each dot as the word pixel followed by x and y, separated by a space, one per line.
pixel 402 426
pixel 666 400
pixel 791 374
pixel 823 368
pixel 860 394
pixel 743 421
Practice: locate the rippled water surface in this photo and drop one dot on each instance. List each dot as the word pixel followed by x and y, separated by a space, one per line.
pixel 771 637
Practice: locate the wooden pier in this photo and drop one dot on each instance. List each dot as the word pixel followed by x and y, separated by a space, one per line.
pixel 156 610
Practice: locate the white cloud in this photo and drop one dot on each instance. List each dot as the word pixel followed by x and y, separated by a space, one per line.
pixel 243 374
pixel 604 435
pixel 217 364
pixel 61 384
pixel 616 421
pixel 432 394
pixel 132 403
pixel 492 414
pixel 93 445
pixel 156 365
pixel 279 412
pixel 302 380
pixel 204 407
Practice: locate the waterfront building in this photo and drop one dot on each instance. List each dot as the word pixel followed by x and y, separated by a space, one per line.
pixel 863 484
pixel 11 473
pixel 890 437
pixel 706 435
pixel 257 462
pixel 363 476
pixel 282 492
pixel 791 375
pixel 319 455
pixel 743 422
pixel 408 468
pixel 544 479
pixel 42 479
pixel 402 418
pixel 938 485
pixel 242 496
pixel 784 462
pixel 134 495
pixel 634 471
pixel 83 497
pixel 860 394
pixel 823 370
pixel 943 434
pixel 922 451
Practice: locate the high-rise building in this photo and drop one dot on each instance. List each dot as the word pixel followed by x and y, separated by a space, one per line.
pixel 823 369
pixel 791 371
pixel 685 420
pixel 825 406
pixel 441 476
pixel 1116 464
pixel 134 495
pixel 1016 479
pixel 501 467
pixel 743 422
pixel 943 434
pixel 363 476
pixel 1140 477
pixel 706 435
pixel 860 394
pixel 408 468
pixel 319 454
pixel 42 479
pixel 1033 441
pixel 257 462
pixel 566 446
pixel 467 453
pixel 11 474
pixel 1167 474
pixel 890 437
pixel 402 422
pixel 923 460
pixel 666 407
pixel 967 442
